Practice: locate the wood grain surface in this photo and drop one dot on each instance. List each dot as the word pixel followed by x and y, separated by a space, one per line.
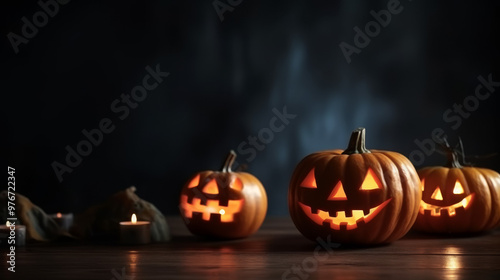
pixel 276 251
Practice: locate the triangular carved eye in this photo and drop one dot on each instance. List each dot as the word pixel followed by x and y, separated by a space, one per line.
pixel 211 187
pixel 309 181
pixel 195 182
pixel 237 184
pixel 338 192
pixel 371 182
pixel 458 189
pixel 437 194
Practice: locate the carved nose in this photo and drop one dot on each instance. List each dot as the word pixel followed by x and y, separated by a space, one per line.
pixel 437 194
pixel 338 193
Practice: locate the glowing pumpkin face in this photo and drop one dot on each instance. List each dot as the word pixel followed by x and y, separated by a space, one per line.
pixel 213 199
pixel 354 196
pixel 337 210
pixel 223 204
pixel 435 203
pixel 458 199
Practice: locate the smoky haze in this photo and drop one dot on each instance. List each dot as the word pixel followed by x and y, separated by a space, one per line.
pixel 226 77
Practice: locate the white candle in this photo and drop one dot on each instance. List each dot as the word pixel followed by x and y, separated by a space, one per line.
pixel 135 232
pixel 65 221
pixel 12 234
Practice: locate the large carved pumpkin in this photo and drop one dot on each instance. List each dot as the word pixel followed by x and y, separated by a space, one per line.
pixel 223 204
pixel 458 199
pixel 354 196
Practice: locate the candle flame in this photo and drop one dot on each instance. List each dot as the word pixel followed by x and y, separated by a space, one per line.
pixel 222 212
pixel 7 223
pixel 134 218
pixel 59 215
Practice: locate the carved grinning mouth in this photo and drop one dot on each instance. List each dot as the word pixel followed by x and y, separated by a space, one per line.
pixel 340 218
pixel 436 210
pixel 212 207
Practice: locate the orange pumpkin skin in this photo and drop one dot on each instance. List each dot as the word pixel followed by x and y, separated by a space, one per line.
pixel 457 199
pixel 389 207
pixel 223 204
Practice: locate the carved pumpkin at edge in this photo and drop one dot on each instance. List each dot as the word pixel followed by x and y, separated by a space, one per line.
pixel 354 196
pixel 223 204
pixel 458 199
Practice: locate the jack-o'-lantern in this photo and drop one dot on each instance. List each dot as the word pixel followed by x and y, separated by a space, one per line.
pixel 458 199
pixel 223 204
pixel 355 196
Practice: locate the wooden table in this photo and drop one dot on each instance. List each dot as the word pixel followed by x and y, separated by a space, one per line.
pixel 277 251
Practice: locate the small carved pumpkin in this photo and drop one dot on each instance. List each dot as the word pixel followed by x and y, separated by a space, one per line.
pixel 354 196
pixel 458 199
pixel 223 204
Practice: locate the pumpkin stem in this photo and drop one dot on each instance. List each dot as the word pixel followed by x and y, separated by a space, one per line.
pixel 451 154
pixel 357 143
pixel 226 167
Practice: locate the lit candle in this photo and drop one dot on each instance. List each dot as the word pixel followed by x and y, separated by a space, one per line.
pixel 12 235
pixel 65 221
pixel 135 232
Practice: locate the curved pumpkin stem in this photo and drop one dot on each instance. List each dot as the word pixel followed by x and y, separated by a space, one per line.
pixel 452 155
pixel 226 167
pixel 357 143
pixel 460 154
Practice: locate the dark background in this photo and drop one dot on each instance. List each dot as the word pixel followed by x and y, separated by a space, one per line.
pixel 225 79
